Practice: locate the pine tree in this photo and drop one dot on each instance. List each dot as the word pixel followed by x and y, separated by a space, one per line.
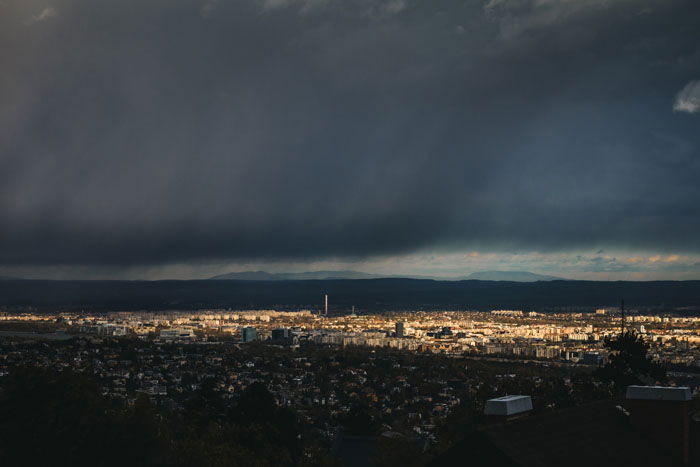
pixel 629 363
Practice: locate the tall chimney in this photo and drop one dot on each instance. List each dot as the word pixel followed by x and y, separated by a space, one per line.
pixel 622 317
pixel 663 415
pixel 325 307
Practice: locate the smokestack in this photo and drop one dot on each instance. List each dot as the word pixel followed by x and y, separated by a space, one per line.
pixel 622 317
pixel 663 415
pixel 326 304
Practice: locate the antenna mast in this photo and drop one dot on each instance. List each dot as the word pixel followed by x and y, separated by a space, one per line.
pixel 622 314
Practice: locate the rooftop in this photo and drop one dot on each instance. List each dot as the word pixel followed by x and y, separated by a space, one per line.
pixel 658 393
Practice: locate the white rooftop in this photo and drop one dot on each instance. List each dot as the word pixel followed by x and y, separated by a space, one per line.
pixel 658 393
pixel 508 405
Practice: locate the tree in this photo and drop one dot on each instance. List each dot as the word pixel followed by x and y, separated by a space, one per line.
pixel 60 418
pixel 629 363
pixel 266 430
pixel 398 452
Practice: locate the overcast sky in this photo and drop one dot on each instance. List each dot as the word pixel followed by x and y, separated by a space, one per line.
pixel 185 138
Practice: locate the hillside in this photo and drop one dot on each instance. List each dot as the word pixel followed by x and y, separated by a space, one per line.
pixel 373 294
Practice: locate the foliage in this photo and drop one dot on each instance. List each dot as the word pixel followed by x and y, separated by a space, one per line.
pixel 629 363
pixel 398 452
pixel 60 418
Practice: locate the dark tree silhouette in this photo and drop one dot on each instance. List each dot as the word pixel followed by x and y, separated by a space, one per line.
pixel 61 418
pixel 629 363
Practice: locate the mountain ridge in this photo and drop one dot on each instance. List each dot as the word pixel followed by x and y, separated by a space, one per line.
pixel 287 276
pixel 509 276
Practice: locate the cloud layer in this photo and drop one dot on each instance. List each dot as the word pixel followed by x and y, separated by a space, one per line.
pixel 688 100
pixel 176 131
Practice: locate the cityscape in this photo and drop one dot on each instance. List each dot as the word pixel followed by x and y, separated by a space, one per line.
pixel 571 337
pixel 349 233
pixel 408 378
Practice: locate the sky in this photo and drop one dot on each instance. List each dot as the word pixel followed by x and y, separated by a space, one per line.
pixel 150 139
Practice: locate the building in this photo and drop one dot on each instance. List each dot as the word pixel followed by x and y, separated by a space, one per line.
pixel 652 428
pixel 177 334
pixel 248 334
pixel 400 329
pixel 280 334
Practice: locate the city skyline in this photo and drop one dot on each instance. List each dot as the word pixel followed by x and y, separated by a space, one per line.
pixel 349 233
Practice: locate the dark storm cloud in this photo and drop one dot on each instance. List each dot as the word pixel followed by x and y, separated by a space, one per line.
pixel 156 131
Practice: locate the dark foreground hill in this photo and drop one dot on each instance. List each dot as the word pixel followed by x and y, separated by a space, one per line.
pixel 373 294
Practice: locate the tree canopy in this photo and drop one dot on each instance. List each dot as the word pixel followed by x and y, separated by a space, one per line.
pixel 629 362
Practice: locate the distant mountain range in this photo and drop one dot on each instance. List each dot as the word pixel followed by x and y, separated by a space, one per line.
pixel 511 276
pixel 295 276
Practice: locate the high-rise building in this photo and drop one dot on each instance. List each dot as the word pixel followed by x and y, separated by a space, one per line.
pixel 249 334
pixel 400 330
pixel 280 334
